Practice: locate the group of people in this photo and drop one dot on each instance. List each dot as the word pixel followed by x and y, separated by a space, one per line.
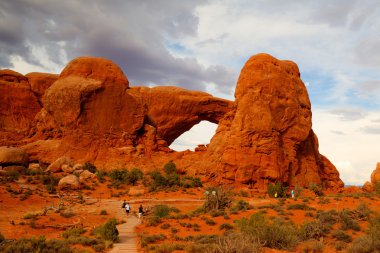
pixel 291 192
pixel 127 208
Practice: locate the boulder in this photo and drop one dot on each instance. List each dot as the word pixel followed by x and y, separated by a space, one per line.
pixel 86 176
pixel 40 82
pixel 57 165
pixel 368 187
pixel 13 156
pixel 375 176
pixel 70 182
pixel 18 105
pixel 67 168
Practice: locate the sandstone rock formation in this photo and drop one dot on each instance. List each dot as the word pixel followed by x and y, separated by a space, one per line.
pixel 70 182
pixel 375 176
pixel 57 165
pixel 86 176
pixel 90 113
pixel 13 156
pixel 267 137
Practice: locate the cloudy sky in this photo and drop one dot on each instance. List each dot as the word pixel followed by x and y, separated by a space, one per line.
pixel 202 45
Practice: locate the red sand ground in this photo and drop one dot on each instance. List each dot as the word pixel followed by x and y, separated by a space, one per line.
pixel 14 209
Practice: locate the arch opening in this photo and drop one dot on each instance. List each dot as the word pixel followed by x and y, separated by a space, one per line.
pixel 200 133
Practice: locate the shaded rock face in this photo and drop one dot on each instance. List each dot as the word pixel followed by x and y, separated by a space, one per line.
pixel 18 106
pixel 89 113
pixel 13 156
pixel 267 137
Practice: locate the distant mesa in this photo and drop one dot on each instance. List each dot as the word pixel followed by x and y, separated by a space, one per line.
pixel 90 113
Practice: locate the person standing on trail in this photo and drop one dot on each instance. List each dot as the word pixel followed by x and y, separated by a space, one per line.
pixel 141 212
pixel 127 208
pixel 124 204
pixel 292 192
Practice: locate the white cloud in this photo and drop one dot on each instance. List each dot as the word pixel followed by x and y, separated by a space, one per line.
pixel 356 153
pixel 198 134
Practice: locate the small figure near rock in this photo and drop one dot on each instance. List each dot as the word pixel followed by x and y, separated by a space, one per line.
pixel 275 194
pixel 127 208
pixel 292 192
pixel 141 212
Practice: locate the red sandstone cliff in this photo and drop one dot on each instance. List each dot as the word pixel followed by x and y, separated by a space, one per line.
pixel 90 113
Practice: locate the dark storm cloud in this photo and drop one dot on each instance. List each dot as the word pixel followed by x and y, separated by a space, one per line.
pixel 134 34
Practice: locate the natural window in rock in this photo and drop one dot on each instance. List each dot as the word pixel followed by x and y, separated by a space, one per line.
pixel 198 134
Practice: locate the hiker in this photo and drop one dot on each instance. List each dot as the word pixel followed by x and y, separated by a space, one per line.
pixel 127 208
pixel 292 192
pixel 141 212
pixel 124 204
pixel 275 194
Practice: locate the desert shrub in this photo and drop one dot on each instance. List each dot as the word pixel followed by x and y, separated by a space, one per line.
pixel 36 245
pixel 173 230
pixel 347 222
pixel 108 231
pixel 217 198
pixel 312 230
pixel 362 212
pixel 101 175
pixel 90 167
pixel 186 225
pixel 12 175
pixel 119 175
pixel 226 226
pixel 342 236
pixel 26 195
pixel 279 188
pixel 167 247
pixel 49 180
pixel 159 181
pixel 161 211
pixel 328 218
pixel 369 242
pixel 217 213
pixel 152 221
pixel 50 188
pixel 170 168
pixel 323 201
pixel 276 234
pixel 67 214
pixel 103 212
pixel 172 179
pixel 241 205
pixel 317 189
pixel 147 239
pixel 210 222
pixel 135 175
pixel 298 207
pixel 73 232
pixel 30 216
pixel 189 182
pixel 313 247
pixel 165 226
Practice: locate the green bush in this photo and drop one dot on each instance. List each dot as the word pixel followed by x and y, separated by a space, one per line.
pixel 146 239
pixel 276 234
pixel 347 221
pixel 90 167
pixel 313 230
pixel 279 188
pixel 317 189
pixel 73 232
pixel 135 175
pixel 108 231
pixel 12 175
pixel 101 174
pixel 210 222
pixel 226 226
pixel 119 175
pixel 298 207
pixel 36 245
pixel 342 236
pixel 161 211
pixel 49 180
pixel 170 168
pixel 159 181
pixel 103 212
pixel 369 242
pixel 241 205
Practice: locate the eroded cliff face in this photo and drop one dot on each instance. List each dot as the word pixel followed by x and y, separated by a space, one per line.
pixel 90 113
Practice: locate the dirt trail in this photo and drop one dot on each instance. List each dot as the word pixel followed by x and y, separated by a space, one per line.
pixel 127 236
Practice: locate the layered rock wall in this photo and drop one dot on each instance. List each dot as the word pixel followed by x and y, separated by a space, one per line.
pixel 90 113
